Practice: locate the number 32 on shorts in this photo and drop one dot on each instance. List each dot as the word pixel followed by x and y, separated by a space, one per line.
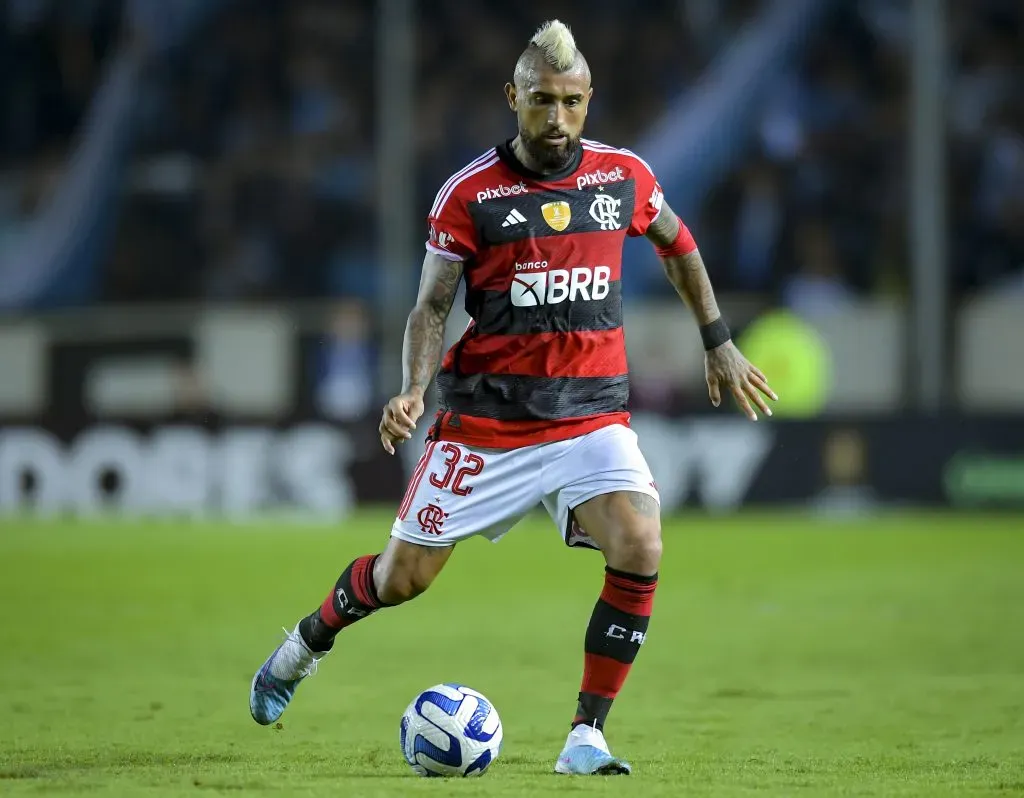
pixel 458 466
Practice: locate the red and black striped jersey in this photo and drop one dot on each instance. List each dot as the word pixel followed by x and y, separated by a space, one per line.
pixel 544 356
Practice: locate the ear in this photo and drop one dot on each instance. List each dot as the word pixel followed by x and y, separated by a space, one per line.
pixel 510 95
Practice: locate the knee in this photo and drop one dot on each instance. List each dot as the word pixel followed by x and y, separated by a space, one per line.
pixel 637 548
pixel 398 581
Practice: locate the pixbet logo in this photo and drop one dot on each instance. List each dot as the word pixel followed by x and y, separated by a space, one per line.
pixel 502 191
pixel 597 177
pixel 558 285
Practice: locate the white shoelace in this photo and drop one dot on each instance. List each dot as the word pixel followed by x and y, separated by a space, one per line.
pixel 307 668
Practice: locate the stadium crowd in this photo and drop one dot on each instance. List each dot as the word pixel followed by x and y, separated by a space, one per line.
pixel 266 120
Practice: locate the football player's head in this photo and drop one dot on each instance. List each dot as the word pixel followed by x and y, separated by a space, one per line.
pixel 549 94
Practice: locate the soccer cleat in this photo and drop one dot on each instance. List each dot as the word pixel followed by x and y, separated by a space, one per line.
pixel 275 683
pixel 586 754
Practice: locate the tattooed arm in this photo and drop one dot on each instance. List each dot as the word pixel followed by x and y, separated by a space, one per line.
pixel 424 332
pixel 421 349
pixel 724 365
pixel 686 272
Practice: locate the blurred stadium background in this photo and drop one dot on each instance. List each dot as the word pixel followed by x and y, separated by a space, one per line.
pixel 211 227
pixel 211 224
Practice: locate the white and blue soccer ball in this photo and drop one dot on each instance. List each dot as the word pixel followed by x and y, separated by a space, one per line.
pixel 450 730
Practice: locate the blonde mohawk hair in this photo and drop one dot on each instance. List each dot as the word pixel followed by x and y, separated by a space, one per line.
pixel 556 42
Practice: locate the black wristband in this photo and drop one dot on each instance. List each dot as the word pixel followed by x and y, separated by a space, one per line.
pixel 714 334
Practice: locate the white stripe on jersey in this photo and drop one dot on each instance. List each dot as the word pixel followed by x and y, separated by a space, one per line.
pixel 451 190
pixel 597 146
pixel 442 196
pixel 459 173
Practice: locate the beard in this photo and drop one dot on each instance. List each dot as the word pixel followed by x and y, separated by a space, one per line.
pixel 548 156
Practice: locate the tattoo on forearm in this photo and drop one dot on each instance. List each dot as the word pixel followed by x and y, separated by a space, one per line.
pixel 644 504
pixel 691 281
pixel 424 332
pixel 686 272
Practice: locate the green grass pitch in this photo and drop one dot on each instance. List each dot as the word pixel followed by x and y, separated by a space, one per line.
pixel 787 656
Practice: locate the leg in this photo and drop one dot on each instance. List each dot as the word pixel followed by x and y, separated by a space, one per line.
pixel 400 573
pixel 626 525
pixel 610 503
pixel 455 492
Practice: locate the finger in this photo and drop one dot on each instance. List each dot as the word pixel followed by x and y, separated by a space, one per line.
pixel 387 444
pixel 713 392
pixel 756 397
pixel 758 373
pixel 401 414
pixel 393 422
pixel 741 400
pixel 759 382
pixel 395 429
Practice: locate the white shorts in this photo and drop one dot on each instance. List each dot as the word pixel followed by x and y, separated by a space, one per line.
pixel 458 491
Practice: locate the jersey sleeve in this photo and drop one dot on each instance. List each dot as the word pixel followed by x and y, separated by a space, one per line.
pixel 649 197
pixel 451 232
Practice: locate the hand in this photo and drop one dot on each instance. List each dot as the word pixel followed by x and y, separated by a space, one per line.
pixel 725 367
pixel 399 420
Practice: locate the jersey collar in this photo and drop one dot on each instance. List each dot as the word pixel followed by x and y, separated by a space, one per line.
pixel 508 157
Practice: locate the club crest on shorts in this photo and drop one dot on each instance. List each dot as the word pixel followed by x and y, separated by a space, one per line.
pixel 431 519
pixel 556 214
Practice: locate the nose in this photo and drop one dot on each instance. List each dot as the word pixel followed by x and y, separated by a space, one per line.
pixel 556 117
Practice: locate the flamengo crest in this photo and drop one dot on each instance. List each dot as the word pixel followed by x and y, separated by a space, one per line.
pixel 605 211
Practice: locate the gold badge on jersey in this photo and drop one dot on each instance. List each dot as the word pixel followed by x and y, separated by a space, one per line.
pixel 556 214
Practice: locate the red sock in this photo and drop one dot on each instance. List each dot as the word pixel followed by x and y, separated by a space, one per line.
pixel 353 598
pixel 618 627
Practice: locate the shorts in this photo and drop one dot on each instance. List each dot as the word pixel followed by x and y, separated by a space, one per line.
pixel 459 491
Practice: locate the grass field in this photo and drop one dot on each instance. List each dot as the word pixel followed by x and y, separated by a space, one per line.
pixel 786 656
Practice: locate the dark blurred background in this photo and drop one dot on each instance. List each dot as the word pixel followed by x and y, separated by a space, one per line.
pixel 211 211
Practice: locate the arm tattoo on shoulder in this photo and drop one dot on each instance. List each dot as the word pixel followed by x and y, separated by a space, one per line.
pixel 441 286
pixel 645 505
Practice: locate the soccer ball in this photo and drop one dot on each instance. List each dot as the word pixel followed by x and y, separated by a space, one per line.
pixel 450 730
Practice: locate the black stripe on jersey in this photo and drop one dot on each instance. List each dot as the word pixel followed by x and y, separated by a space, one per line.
pixel 504 219
pixel 496 315
pixel 510 397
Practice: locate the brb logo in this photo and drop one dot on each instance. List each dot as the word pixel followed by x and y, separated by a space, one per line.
pixel 534 288
pixel 502 191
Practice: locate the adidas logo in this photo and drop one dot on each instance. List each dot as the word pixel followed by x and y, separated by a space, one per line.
pixel 515 217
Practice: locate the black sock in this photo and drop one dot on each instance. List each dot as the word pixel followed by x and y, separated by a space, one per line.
pixel 353 598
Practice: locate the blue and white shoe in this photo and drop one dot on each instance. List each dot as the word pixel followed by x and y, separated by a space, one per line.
pixel 586 754
pixel 275 683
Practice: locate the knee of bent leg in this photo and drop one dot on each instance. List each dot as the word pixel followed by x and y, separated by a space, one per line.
pixel 401 578
pixel 637 548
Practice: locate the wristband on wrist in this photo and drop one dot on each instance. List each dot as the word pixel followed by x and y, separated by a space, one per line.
pixel 714 334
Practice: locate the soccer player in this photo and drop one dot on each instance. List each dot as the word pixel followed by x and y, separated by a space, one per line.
pixel 533 396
